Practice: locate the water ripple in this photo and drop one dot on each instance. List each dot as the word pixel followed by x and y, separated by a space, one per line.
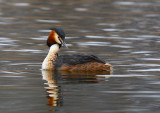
pixel 124 75
pixel 146 65
pixel 135 3
pixel 71 37
pixel 108 37
pixel 143 52
pixel 112 29
pixel 107 24
pixel 40 38
pixel 11 72
pixel 146 70
pixel 81 9
pixel 90 36
pixel 44 31
pixel 48 21
pixel 151 59
pixel 93 44
pixel 121 46
pixel 25 50
pixel 21 4
pixel 12 76
pixel 133 92
pixel 119 30
pixel 7 42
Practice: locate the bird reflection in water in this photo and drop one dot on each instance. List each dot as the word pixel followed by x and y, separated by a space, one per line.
pixel 53 89
pixel 85 77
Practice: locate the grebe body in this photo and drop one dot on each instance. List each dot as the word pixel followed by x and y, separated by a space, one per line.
pixel 74 62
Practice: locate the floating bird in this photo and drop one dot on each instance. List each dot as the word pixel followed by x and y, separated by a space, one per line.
pixel 70 62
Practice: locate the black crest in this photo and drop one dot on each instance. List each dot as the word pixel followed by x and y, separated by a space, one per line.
pixel 60 32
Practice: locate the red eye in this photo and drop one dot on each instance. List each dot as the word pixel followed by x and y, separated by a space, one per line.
pixel 60 39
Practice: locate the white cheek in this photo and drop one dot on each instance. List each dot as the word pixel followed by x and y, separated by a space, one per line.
pixel 57 39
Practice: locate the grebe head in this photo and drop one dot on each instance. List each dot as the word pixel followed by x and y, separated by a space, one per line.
pixel 56 36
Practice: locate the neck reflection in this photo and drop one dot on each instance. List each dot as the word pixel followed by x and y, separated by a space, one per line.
pixel 55 78
pixel 52 89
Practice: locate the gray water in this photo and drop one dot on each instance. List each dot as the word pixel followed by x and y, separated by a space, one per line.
pixel 124 33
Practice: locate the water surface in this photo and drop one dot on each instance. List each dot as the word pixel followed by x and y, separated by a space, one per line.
pixel 124 33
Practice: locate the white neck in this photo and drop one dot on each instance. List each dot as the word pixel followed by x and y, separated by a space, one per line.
pixel 50 58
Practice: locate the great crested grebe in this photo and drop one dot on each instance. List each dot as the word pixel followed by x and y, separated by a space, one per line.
pixel 74 62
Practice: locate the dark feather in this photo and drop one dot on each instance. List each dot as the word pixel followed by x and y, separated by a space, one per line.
pixel 60 32
pixel 75 59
